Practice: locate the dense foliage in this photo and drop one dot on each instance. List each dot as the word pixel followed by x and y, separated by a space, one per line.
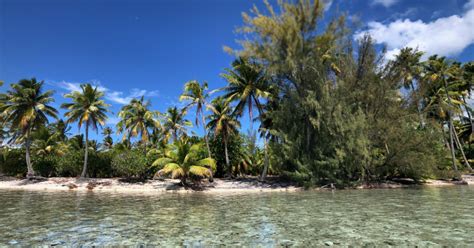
pixel 329 109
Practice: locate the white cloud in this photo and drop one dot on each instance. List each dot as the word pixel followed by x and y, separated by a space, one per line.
pixel 327 4
pixel 445 36
pixel 385 3
pixel 112 120
pixel 69 86
pixel 111 95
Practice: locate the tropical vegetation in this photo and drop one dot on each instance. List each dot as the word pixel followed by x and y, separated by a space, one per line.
pixel 329 109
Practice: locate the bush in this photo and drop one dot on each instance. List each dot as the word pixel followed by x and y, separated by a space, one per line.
pixel 70 164
pixel 13 162
pixel 130 164
pixel 100 164
pixel 45 165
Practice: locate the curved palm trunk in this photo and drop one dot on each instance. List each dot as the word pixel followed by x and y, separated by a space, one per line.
pixel 458 143
pixel 31 172
pixel 86 154
pixel 420 115
pixel 451 130
pixel 211 179
pixel 267 164
pixel 468 113
pixel 227 157
pixel 451 145
pixel 205 135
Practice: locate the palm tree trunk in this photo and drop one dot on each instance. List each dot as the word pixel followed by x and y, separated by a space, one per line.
pixel 451 128
pixel 468 113
pixel 31 172
pixel 451 146
pixel 458 143
pixel 416 102
pixel 227 157
pixel 265 167
pixel 205 136
pixel 86 154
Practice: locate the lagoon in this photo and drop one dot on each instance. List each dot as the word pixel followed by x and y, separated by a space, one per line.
pixel 424 216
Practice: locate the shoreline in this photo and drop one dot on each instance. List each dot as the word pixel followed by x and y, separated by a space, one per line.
pixel 167 186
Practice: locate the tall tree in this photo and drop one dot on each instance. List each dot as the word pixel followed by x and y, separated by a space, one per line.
pixel 223 122
pixel 248 87
pixel 108 141
pixel 195 94
pixel 89 109
pixel 60 130
pixel 26 107
pixel 175 123
pixel 137 120
pixel 440 72
pixel 408 68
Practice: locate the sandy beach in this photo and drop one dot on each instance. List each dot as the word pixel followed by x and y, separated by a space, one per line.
pixel 116 185
pixel 246 185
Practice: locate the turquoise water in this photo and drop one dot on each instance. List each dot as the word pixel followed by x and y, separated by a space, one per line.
pixel 398 217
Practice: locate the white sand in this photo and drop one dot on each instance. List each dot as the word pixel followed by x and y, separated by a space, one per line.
pixel 114 185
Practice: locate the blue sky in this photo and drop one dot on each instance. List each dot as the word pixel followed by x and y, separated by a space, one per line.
pixel 143 47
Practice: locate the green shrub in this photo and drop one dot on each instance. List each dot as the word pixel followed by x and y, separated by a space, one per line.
pixel 100 164
pixel 70 164
pixel 13 162
pixel 130 164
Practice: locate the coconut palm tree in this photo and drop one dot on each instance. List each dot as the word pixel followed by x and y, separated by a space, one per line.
pixel 175 124
pixel 108 141
pixel 184 159
pixel 89 109
pixel 196 96
pixel 223 122
pixel 60 130
pixel 246 85
pixel 440 72
pixel 137 120
pixel 408 67
pixel 25 108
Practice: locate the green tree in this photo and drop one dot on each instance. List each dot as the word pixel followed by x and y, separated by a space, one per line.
pixel 89 109
pixel 195 94
pixel 136 119
pixel 223 122
pixel 175 123
pixel 60 130
pixel 443 76
pixel 108 141
pixel 246 86
pixel 408 68
pixel 183 159
pixel 26 107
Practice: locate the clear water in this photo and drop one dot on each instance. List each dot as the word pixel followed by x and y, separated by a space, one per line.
pixel 398 217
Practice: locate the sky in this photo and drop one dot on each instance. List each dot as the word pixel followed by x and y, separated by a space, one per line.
pixel 131 48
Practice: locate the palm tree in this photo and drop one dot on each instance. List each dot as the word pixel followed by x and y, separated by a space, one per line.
pixel 175 124
pixel 108 141
pixel 196 95
pixel 60 130
pixel 439 71
pixel 25 108
pixel 223 122
pixel 408 68
pixel 246 85
pixel 89 109
pixel 183 159
pixel 137 119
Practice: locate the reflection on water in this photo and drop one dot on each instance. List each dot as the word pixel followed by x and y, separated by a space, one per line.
pixel 425 216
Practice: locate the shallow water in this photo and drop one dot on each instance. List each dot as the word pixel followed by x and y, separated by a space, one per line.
pixel 399 217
